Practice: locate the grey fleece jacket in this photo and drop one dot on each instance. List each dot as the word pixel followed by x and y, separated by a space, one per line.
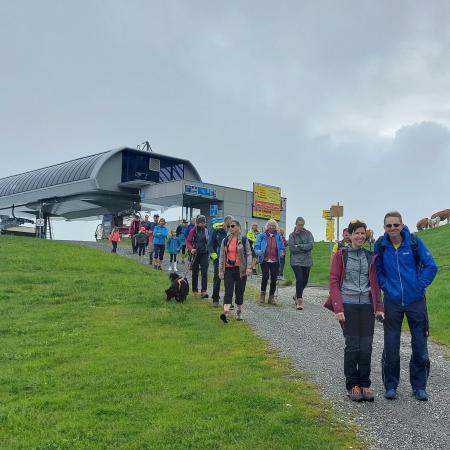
pixel 300 246
pixel 355 286
pixel 245 255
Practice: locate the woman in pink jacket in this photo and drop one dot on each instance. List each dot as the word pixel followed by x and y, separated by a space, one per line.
pixel 355 299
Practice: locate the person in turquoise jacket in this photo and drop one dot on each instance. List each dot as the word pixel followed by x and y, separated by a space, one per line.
pixel 159 241
pixel 173 247
pixel 269 248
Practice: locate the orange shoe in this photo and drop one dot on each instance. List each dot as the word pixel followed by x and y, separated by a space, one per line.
pixel 355 394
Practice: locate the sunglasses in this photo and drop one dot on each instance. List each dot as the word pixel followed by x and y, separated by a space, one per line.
pixel 395 225
pixel 231 226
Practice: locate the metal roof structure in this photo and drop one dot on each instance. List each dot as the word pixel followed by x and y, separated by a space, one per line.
pixel 105 183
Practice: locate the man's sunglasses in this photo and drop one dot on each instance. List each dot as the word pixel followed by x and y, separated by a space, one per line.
pixel 231 226
pixel 395 225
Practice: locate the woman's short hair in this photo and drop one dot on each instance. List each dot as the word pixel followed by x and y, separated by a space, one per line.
pixel 271 222
pixel 354 225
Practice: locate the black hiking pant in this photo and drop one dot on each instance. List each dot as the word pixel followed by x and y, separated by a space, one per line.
pixel 269 269
pixel 301 279
pixel 233 283
pixel 200 264
pixel 358 330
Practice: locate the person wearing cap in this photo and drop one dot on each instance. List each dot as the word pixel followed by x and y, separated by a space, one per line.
pixel 197 245
pixel 346 241
pixel 133 230
pixel 355 299
pixel 218 234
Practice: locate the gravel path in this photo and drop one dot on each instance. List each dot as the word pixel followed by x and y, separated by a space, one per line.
pixel 313 340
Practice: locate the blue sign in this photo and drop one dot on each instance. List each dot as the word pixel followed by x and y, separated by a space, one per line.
pixel 213 210
pixel 199 191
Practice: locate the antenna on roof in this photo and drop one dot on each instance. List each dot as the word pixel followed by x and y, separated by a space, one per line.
pixel 145 146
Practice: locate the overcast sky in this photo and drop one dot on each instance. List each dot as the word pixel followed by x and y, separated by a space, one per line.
pixel 343 101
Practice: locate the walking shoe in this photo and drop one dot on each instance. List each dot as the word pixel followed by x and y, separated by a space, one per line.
pixel 262 297
pixel 390 394
pixel 216 304
pixel 271 300
pixel 421 395
pixel 300 303
pixel 175 267
pixel 204 295
pixel 195 294
pixel 355 394
pixel 224 318
pixel 232 307
pixel 368 395
pixel 170 267
pixel 239 315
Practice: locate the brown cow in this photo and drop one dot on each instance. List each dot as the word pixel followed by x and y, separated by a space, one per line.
pixel 444 215
pixel 422 224
pixel 369 236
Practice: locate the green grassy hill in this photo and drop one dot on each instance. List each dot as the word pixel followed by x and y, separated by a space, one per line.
pixel 438 294
pixel 93 357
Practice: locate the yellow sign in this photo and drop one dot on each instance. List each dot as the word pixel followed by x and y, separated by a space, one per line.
pixel 330 230
pixel 266 201
pixel 326 213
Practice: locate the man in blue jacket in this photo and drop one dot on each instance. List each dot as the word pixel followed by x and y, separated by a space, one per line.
pixel 405 267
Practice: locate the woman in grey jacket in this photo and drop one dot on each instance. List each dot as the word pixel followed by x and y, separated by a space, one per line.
pixel 235 263
pixel 301 242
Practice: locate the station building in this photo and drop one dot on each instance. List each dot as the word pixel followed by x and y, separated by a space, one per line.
pixel 118 183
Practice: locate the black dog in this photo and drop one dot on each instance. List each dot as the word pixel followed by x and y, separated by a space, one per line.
pixel 179 288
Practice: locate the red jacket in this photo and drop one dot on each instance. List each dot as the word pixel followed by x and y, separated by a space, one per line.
pixel 114 236
pixel 337 273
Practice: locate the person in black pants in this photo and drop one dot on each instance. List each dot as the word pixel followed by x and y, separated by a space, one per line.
pixel 269 248
pixel 235 263
pixel 355 298
pixel 197 244
pixel 301 242
pixel 217 236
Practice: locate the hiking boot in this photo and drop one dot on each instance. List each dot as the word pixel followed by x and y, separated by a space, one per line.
pixel 355 394
pixel 216 304
pixel 421 395
pixel 262 297
pixel 204 295
pixel 195 294
pixel 300 303
pixel 224 318
pixel 271 300
pixel 368 395
pixel 170 267
pixel 390 394
pixel 239 315
pixel 175 267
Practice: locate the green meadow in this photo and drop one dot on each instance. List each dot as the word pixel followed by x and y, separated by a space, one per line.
pixel 93 357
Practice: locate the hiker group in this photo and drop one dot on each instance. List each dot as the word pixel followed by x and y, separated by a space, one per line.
pixel 402 267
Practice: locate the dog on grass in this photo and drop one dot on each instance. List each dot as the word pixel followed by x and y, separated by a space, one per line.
pixel 179 288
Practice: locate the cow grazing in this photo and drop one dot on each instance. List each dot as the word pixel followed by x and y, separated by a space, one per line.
pixel 434 222
pixel 422 224
pixel 444 215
